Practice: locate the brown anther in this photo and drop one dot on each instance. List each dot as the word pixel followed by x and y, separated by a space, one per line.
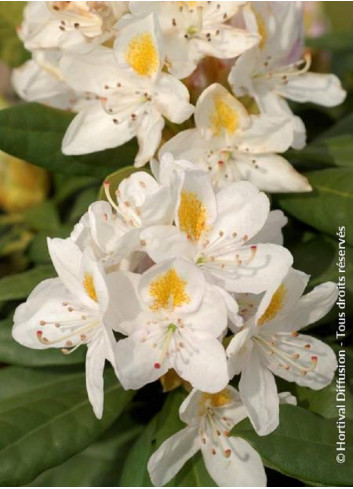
pixel 307 346
pixel 294 334
pixel 228 452
pixel 142 242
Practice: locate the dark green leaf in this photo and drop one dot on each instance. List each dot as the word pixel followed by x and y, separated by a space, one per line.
pixel 303 447
pixel 98 465
pixel 11 47
pixel 13 353
pixel 329 206
pixel 164 425
pixel 20 285
pixel 40 131
pixel 45 418
pixel 324 267
pixel 43 217
pixel 323 402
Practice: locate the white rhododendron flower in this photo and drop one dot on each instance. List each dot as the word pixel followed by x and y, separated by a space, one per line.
pixel 112 228
pixel 72 310
pixel 193 30
pixel 177 274
pixel 134 93
pixel 230 460
pixel 276 70
pixel 68 25
pixel 213 231
pixel 178 318
pixel 270 344
pixel 232 145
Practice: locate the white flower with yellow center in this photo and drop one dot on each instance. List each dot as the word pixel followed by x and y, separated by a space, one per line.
pixel 69 25
pixel 214 232
pixel 230 461
pixel 134 94
pixel 275 70
pixel 72 310
pixel 174 320
pixel 232 145
pixel 269 344
pixel 193 30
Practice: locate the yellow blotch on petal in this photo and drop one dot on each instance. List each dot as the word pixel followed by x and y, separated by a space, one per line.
pixel 192 216
pixel 217 400
pixel 168 291
pixel 224 117
pixel 88 284
pixel 142 55
pixel 275 305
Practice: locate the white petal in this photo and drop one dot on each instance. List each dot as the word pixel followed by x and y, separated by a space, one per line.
pixel 186 144
pixel 272 230
pixel 315 305
pixel 219 114
pixel 314 87
pixel 281 317
pixel 243 468
pixel 67 257
pixel 287 398
pixel 211 316
pixel 239 352
pixel 138 40
pixel 38 321
pixel 196 206
pixel 95 360
pixel 90 72
pixel 258 268
pixel 202 362
pixel 242 212
pixel 258 391
pixel 266 134
pixel 172 99
pixel 94 130
pixel 226 42
pixel 164 242
pixel 149 134
pixel 170 457
pixel 136 360
pixel 315 367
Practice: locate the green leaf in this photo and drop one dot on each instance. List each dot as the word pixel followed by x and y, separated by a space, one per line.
pixel 12 50
pixel 164 425
pixel 13 353
pixel 115 179
pixel 323 402
pixel 99 464
pixel 82 203
pixel 43 217
pixel 329 206
pixel 303 447
pixel 19 285
pixel 324 267
pixel 336 42
pixel 45 418
pixel 332 151
pixel 34 133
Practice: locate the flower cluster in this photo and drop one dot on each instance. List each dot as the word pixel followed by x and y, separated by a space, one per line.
pixel 182 268
pixel 199 284
pixel 120 66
